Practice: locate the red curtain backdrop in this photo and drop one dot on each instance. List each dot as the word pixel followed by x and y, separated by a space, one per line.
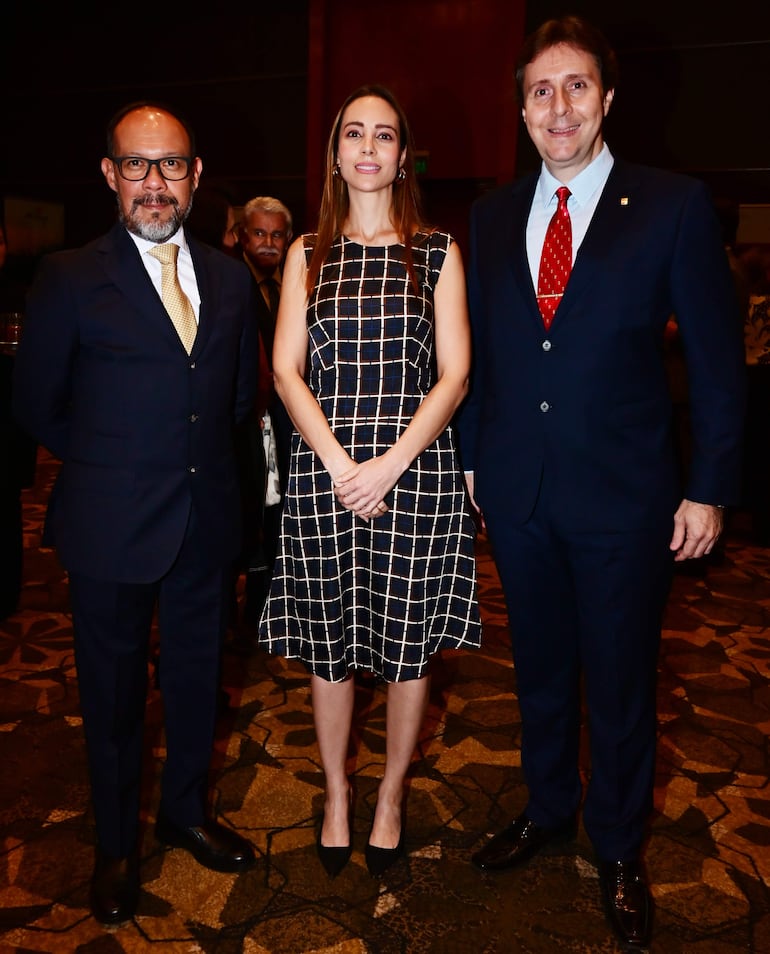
pixel 449 62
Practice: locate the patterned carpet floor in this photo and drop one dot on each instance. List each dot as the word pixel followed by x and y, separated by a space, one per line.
pixel 708 855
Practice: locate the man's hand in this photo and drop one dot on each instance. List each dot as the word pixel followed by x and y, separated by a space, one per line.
pixel 470 484
pixel 697 527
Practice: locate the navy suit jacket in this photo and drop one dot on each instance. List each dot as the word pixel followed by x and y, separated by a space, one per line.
pixel 587 403
pixel 144 431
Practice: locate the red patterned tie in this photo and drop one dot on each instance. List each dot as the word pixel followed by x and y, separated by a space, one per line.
pixel 556 261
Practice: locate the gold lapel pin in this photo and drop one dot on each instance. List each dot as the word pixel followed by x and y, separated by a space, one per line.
pixel 624 200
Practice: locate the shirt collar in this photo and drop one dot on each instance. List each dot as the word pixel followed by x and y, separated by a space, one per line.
pixel 144 245
pixel 583 186
pixel 276 276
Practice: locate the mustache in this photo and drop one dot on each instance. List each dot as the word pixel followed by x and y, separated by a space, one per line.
pixel 154 200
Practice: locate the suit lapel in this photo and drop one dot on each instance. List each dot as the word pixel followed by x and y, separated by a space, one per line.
pixel 123 265
pixel 266 324
pixel 518 216
pixel 607 223
pixel 208 288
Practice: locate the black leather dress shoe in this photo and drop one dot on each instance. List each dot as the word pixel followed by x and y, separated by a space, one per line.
pixel 627 902
pixel 519 842
pixel 114 892
pixel 211 844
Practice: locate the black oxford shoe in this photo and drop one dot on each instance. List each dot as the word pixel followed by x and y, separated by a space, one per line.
pixel 211 844
pixel 519 842
pixel 627 902
pixel 114 892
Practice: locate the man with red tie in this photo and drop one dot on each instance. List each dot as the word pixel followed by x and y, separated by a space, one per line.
pixel 567 444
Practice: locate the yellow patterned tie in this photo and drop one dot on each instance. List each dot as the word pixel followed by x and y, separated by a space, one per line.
pixel 176 303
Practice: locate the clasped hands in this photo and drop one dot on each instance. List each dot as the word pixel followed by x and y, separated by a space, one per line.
pixel 362 488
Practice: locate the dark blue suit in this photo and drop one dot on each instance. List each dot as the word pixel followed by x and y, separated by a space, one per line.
pixel 569 435
pixel 146 507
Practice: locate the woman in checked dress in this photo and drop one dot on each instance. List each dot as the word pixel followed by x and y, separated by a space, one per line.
pixel 375 568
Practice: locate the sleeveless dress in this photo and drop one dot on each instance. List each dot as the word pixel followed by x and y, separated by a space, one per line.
pixel 382 596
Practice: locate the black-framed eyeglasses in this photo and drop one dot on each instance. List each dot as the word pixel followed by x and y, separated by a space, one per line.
pixel 136 168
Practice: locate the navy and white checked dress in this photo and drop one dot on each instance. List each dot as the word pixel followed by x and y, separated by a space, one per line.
pixel 381 596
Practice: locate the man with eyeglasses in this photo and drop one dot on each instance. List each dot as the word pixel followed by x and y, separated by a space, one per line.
pixel 145 510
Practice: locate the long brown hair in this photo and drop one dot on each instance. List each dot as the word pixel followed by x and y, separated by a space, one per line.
pixel 335 203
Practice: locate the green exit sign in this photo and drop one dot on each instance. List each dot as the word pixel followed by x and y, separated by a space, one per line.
pixel 421 163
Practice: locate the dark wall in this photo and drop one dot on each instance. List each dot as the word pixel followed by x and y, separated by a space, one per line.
pixel 693 88
pixel 450 64
pixel 241 80
pixel 693 92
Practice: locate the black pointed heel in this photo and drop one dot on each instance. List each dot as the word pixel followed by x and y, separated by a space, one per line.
pixel 333 858
pixel 379 860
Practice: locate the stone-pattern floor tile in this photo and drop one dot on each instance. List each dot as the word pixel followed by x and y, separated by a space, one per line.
pixel 708 854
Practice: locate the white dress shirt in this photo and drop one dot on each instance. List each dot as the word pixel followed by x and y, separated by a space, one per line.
pixel 586 189
pixel 184 267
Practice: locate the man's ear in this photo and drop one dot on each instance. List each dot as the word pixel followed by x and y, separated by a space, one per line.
pixel 608 98
pixel 197 170
pixel 108 171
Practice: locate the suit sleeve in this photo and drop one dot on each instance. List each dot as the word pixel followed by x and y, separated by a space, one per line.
pixel 468 416
pixel 43 371
pixel 248 359
pixel 705 308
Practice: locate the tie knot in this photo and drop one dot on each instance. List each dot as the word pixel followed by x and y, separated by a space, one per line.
pixel 166 254
pixel 562 194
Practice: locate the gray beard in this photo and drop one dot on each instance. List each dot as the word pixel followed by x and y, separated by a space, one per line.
pixel 154 230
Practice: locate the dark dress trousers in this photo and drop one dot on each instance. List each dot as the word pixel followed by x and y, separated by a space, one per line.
pixel 569 435
pixel 145 510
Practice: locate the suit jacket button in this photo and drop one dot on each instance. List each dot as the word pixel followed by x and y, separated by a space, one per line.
pixel 546 345
pixel 192 469
pixel 545 406
pixel 193 418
